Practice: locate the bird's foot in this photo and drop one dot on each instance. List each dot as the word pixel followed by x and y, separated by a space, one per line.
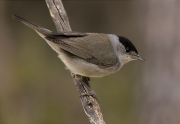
pixel 89 91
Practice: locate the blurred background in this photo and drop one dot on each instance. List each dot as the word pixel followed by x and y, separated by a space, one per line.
pixel 35 87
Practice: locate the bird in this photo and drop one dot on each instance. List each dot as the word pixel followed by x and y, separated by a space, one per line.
pixel 88 54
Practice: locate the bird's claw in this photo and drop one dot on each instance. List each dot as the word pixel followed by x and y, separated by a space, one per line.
pixel 90 94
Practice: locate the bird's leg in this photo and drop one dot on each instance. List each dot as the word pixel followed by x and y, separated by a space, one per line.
pixel 90 92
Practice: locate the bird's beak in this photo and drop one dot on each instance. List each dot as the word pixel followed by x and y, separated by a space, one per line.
pixel 139 58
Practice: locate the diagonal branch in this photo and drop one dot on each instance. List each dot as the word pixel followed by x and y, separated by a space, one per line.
pixel 59 16
pixel 89 103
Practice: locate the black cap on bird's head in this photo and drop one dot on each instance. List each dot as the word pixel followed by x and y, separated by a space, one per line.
pixel 130 48
pixel 127 44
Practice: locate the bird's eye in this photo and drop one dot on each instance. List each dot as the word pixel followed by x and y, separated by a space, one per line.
pixel 127 50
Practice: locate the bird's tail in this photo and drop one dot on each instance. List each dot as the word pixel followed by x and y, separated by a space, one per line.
pixel 38 29
pixel 29 24
pixel 43 32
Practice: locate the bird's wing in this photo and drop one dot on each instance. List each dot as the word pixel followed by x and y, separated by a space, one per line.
pixel 94 48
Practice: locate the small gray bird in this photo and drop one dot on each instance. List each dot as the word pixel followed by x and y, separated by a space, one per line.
pixel 88 54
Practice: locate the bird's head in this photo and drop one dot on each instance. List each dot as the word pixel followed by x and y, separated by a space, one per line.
pixel 128 51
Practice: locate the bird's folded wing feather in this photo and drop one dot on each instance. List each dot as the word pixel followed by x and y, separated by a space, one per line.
pixel 94 48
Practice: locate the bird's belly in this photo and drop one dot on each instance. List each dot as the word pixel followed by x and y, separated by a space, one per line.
pixel 84 68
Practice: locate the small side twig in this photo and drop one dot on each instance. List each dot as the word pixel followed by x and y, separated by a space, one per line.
pixel 89 103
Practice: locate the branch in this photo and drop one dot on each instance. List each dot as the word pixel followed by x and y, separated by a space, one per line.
pixel 89 103
pixel 59 16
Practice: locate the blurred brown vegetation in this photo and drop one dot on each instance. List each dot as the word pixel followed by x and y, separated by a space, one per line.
pixel 35 87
